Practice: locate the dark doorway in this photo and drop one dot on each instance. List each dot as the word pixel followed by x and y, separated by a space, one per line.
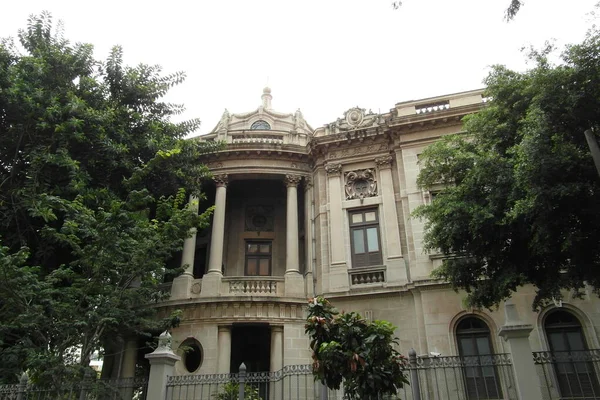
pixel 251 345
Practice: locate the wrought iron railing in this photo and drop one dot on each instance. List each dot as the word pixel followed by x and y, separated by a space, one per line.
pixel 88 389
pixel 569 375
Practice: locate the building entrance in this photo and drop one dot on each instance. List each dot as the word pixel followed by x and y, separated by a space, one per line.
pixel 251 345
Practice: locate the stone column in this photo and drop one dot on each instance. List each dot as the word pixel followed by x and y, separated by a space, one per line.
pixel 294 282
pixel 276 348
pixel 211 281
pixel 516 333
pixel 162 362
pixel 308 236
pixel 396 268
pixel 182 284
pixel 224 346
pixel 338 270
pixel 277 358
pixel 128 367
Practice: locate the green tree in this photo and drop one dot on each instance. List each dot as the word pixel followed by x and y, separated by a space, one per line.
pixel 521 203
pixel 349 351
pixel 513 8
pixel 94 180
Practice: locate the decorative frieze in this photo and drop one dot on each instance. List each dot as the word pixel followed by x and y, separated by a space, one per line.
pixel 221 179
pixel 360 184
pixel 357 151
pixel 248 311
pixel 384 162
pixel 333 169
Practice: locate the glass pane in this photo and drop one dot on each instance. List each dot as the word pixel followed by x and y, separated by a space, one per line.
pixel 575 341
pixel 264 267
pixel 265 248
pixel 356 218
pixel 467 346
pixel 252 269
pixel 359 241
pixel 370 216
pixel 557 342
pixel 372 241
pixel 252 248
pixel 483 345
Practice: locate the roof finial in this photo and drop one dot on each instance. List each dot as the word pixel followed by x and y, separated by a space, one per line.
pixel 266 98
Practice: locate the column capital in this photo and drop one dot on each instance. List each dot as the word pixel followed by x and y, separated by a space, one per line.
pixel 221 180
pixel 308 182
pixel 292 180
pixel 333 169
pixel 224 328
pixel 384 162
pixel 276 328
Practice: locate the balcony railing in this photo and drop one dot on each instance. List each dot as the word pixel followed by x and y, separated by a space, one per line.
pixel 253 285
pixel 569 375
pixel 367 275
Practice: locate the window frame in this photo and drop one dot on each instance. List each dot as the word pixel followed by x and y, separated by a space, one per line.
pixel 371 259
pixel 258 256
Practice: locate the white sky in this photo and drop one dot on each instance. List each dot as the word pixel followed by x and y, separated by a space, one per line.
pixel 323 57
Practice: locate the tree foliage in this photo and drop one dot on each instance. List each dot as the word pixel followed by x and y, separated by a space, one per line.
pixel 94 179
pixel 521 203
pixel 349 351
pixel 511 11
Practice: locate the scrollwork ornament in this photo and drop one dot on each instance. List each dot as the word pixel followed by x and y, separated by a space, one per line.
pixel 360 184
pixel 308 182
pixel 333 169
pixel 221 180
pixel 384 161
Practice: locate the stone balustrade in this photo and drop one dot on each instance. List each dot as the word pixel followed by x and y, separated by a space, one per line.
pixel 253 286
pixel 367 276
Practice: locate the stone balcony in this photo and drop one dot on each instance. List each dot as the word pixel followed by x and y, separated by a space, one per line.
pixel 230 286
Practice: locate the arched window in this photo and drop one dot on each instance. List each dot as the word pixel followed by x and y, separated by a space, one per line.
pixel 260 125
pixel 475 347
pixel 574 372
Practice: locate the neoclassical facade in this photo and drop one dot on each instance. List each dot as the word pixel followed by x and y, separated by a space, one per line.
pixel 327 211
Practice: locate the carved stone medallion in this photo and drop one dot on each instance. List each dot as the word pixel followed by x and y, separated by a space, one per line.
pixel 360 184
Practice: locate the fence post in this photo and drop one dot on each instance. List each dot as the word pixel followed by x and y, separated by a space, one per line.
pixel 85 384
pixel 516 333
pixel 23 382
pixel 162 361
pixel 414 375
pixel 242 381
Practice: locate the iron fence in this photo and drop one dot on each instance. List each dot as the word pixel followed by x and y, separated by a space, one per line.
pixel 569 375
pixel 87 389
pixel 431 378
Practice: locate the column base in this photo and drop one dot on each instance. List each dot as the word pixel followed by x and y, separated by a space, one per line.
pixel 211 284
pixel 181 287
pixel 294 284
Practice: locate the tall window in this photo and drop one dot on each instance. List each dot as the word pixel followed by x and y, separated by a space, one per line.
pixel 576 376
pixel 258 258
pixel 475 347
pixel 364 235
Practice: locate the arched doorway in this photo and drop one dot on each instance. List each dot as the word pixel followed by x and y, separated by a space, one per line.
pixel 574 372
pixel 475 348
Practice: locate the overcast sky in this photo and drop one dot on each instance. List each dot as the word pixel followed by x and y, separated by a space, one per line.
pixel 323 57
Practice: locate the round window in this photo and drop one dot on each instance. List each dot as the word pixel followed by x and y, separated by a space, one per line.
pixel 192 355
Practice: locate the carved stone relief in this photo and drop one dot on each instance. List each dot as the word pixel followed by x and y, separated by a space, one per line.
pixel 333 169
pixel 355 118
pixel 259 218
pixel 355 151
pixel 360 184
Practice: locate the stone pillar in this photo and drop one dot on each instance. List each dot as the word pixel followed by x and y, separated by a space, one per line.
pixel 182 284
pixel 338 270
pixel 162 362
pixel 308 236
pixel 294 282
pixel 396 268
pixel 421 329
pixel 224 346
pixel 211 281
pixel 276 357
pixel 128 367
pixel 516 333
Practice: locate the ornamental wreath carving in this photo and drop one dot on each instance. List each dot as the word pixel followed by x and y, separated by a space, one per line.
pixel 360 184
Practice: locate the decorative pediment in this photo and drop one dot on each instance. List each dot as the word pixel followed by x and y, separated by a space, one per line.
pixel 355 118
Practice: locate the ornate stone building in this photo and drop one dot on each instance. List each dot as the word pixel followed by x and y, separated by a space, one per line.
pixel 327 211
